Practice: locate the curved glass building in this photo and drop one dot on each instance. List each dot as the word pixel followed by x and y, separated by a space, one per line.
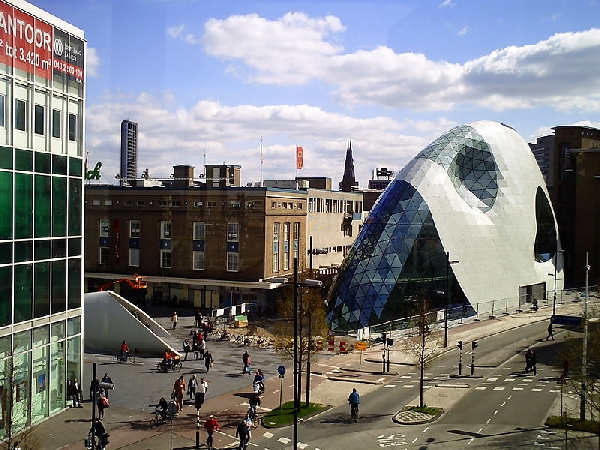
pixel 469 218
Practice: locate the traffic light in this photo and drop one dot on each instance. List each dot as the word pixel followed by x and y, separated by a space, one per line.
pixel 459 344
pixel 474 345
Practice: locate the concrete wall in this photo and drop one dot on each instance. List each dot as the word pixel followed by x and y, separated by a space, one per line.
pixel 109 319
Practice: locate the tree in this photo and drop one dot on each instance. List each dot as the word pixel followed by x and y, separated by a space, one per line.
pixel 311 325
pixel 425 344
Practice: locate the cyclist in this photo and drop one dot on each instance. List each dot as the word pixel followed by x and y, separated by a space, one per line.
pixel 124 351
pixel 354 400
pixel 259 382
pixel 163 408
pixel 254 404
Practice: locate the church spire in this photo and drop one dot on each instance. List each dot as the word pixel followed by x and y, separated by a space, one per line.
pixel 348 180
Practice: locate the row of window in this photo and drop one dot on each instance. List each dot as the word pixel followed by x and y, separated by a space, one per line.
pixel 233 204
pixel 285 205
pixel 330 205
pixel 286 244
pixel 39 119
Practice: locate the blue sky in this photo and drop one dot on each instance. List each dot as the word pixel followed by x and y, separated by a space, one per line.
pixel 203 76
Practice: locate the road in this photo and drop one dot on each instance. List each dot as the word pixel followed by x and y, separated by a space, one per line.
pixel 502 407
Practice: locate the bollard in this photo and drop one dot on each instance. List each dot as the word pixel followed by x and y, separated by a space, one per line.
pixel 331 345
pixel 343 348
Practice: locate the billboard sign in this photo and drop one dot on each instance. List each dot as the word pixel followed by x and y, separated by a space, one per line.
pixel 34 46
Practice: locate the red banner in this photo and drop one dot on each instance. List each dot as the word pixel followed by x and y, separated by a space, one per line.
pixel 299 157
pixel 117 240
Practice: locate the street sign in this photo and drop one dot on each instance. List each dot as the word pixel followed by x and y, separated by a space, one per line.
pixel 566 320
pixel 281 370
pixel 360 345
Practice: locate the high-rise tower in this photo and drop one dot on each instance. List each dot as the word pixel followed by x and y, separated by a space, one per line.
pixel 348 180
pixel 129 131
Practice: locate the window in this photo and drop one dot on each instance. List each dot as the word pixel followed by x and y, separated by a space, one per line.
pixel 286 246
pixel 107 202
pixel 176 203
pixel 104 228
pixel 276 226
pixel 20 107
pixel 235 204
pixel 165 230
pixel 141 203
pixel 233 230
pixel 72 127
pixel 296 238
pixel 56 123
pixel 134 257
pixel 232 262
pixel 273 205
pixel 128 202
pixel 212 204
pixel 198 204
pixel 2 111
pixel 199 231
pixel 38 125
pixel 198 260
pixel 96 202
pixel 135 228
pixel 162 203
pixel 104 255
pixel 165 259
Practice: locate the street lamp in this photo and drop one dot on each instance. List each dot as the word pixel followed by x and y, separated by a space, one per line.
pixel 585 336
pixel 448 263
pixel 297 364
pixel 556 252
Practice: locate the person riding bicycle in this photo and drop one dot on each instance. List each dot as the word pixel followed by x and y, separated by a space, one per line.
pixel 354 400
pixel 259 382
pixel 254 403
pixel 163 408
pixel 99 431
pixel 124 352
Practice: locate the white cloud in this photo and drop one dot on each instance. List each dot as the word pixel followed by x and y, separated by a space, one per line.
pixel 463 31
pixel 447 4
pixel 92 61
pixel 557 72
pixel 170 135
pixel 175 32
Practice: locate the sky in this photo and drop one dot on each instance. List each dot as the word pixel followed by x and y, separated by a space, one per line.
pixel 208 80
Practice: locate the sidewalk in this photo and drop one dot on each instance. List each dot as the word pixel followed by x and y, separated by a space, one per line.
pixel 130 429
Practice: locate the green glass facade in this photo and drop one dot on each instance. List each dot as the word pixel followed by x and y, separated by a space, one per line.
pixel 41 199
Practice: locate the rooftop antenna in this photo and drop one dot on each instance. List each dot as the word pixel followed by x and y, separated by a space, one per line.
pixel 262 160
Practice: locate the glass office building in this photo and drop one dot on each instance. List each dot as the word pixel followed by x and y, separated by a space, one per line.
pixel 41 199
pixel 468 220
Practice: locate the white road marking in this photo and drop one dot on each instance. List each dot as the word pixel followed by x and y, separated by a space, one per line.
pixel 284 440
pixel 405 376
pixel 488 421
pixel 499 388
pixel 495 412
pixel 408 385
pixel 517 389
pixel 509 380
pixel 536 390
pixel 268 434
pixel 481 388
pixel 471 440
pixel 426 429
pixel 390 385
pixel 479 431
pixel 492 379
pixel 415 440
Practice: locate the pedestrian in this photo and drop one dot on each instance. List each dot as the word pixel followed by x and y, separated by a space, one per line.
pixel 246 361
pixel 528 360
pixel 75 392
pixel 179 390
pixel 566 368
pixel 94 388
pixel 211 426
pixel 201 348
pixel 201 392
pixel 208 360
pixel 204 384
pixel 108 380
pixel 186 348
pixel 103 403
pixel 531 357
pixel 174 319
pixel 243 432
pixel 198 318
pixel 550 331
pixel 192 384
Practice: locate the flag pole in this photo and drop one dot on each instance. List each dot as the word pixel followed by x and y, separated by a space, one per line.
pixel 262 160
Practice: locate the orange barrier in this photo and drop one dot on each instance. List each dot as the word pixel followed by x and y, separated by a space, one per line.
pixel 343 347
pixel 331 345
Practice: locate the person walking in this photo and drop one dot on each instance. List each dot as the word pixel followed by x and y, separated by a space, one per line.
pixel 186 348
pixel 108 380
pixel 75 391
pixel 192 384
pixel 198 318
pixel 179 389
pixel 246 361
pixel 243 432
pixel 174 319
pixel 531 361
pixel 550 331
pixel 201 347
pixel 354 400
pixel 102 403
pixel 211 426
pixel 208 360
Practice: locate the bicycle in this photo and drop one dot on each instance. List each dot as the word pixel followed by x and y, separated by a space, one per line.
pixel 175 366
pixel 354 413
pixel 159 419
pixel 127 358
pixel 254 418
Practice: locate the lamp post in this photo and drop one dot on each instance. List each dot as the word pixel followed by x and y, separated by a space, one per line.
pixel 585 336
pixel 555 269
pixel 448 263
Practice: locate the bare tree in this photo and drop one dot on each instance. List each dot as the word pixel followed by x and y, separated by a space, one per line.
pixel 424 345
pixel 312 326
